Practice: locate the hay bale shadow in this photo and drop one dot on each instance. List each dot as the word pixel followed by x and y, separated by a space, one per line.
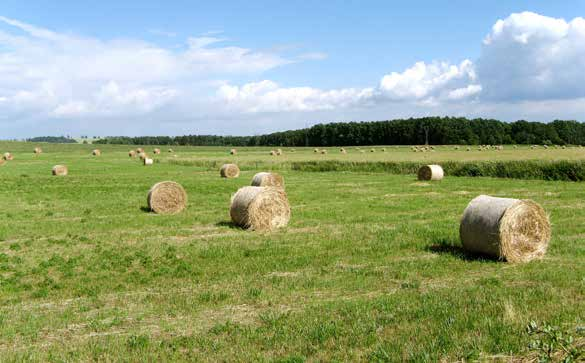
pixel 229 224
pixel 453 248
pixel 145 209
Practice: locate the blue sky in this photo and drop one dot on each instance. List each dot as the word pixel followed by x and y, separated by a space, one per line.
pixel 278 65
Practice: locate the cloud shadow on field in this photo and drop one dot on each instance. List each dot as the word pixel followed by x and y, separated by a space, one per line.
pixel 451 247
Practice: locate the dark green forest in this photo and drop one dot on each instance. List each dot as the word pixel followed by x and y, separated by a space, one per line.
pixel 413 131
pixel 53 139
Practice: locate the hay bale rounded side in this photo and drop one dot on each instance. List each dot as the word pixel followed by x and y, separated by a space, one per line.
pixel 229 171
pixel 167 197
pixel 156 151
pixel 148 161
pixel 96 152
pixel 233 152
pixel 139 150
pixel 430 172
pixel 260 208
pixel 171 150
pixel 272 153
pixel 343 151
pixel 60 170
pixel 265 179
pixel 509 229
pixel 142 155
pixel 8 156
pixel 323 152
pixel 38 150
pixel 132 153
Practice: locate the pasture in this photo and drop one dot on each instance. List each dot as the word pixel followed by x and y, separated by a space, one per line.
pixel 370 267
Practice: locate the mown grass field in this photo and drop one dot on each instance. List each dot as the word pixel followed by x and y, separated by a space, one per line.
pixel 369 269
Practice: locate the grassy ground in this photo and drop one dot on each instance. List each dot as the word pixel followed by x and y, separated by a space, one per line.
pixel 369 268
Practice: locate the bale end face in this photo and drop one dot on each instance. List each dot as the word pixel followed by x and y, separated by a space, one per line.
pixel 132 153
pixel 148 161
pixel 260 208
pixel 233 152
pixel 508 229
pixel 268 180
pixel 38 150
pixel 229 171
pixel 96 152
pixel 8 156
pixel 156 151
pixel 167 198
pixel 430 172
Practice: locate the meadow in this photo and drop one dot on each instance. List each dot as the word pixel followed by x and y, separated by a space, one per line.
pixel 370 267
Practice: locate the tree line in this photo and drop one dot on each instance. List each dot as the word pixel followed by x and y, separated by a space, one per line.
pixel 53 139
pixel 413 131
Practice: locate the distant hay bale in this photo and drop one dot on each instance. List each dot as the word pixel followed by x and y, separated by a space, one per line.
pixel 509 229
pixel 8 156
pixel 233 152
pixel 265 179
pixel 383 149
pixel 132 153
pixel 229 171
pixel 323 152
pixel 343 151
pixel 170 150
pixel 38 150
pixel 545 146
pixel 148 161
pixel 430 172
pixel 96 152
pixel 260 208
pixel 272 153
pixel 278 152
pixel 456 148
pixel 156 151
pixel 142 155
pixel 167 197
pixel 372 150
pixel 60 170
pixel 139 150
pixel 468 148
pixel 315 150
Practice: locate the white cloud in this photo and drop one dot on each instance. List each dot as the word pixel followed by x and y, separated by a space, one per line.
pixel 529 56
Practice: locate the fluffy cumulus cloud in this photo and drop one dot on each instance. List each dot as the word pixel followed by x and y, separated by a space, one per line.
pixel 527 62
pixel 528 56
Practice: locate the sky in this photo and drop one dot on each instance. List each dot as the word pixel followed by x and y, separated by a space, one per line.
pixel 148 67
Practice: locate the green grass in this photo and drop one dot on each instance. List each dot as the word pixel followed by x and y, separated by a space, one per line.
pixel 370 267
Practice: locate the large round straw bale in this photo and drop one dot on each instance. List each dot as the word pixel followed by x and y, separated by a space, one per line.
pixel 148 161
pixel 96 152
pixel 315 150
pixel 343 151
pixel 8 156
pixel 323 151
pixel 167 197
pixel 278 152
pixel 132 153
pixel 511 229
pixel 142 155
pixel 170 150
pixel 272 153
pixel 264 179
pixel 430 172
pixel 233 152
pixel 139 150
pixel 60 170
pixel 38 150
pixel 260 208
pixel 229 171
pixel 156 151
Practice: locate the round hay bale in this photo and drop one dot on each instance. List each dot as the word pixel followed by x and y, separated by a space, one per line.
pixel 167 197
pixel 142 155
pixel 509 229
pixel 229 171
pixel 132 153
pixel 272 153
pixel 139 150
pixel 170 150
pixel 323 152
pixel 383 149
pixel 343 151
pixel 278 152
pixel 60 170
pixel 430 172
pixel 96 152
pixel 38 150
pixel 233 152
pixel 260 208
pixel 156 151
pixel 372 150
pixel 315 150
pixel 148 161
pixel 265 179
pixel 8 156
